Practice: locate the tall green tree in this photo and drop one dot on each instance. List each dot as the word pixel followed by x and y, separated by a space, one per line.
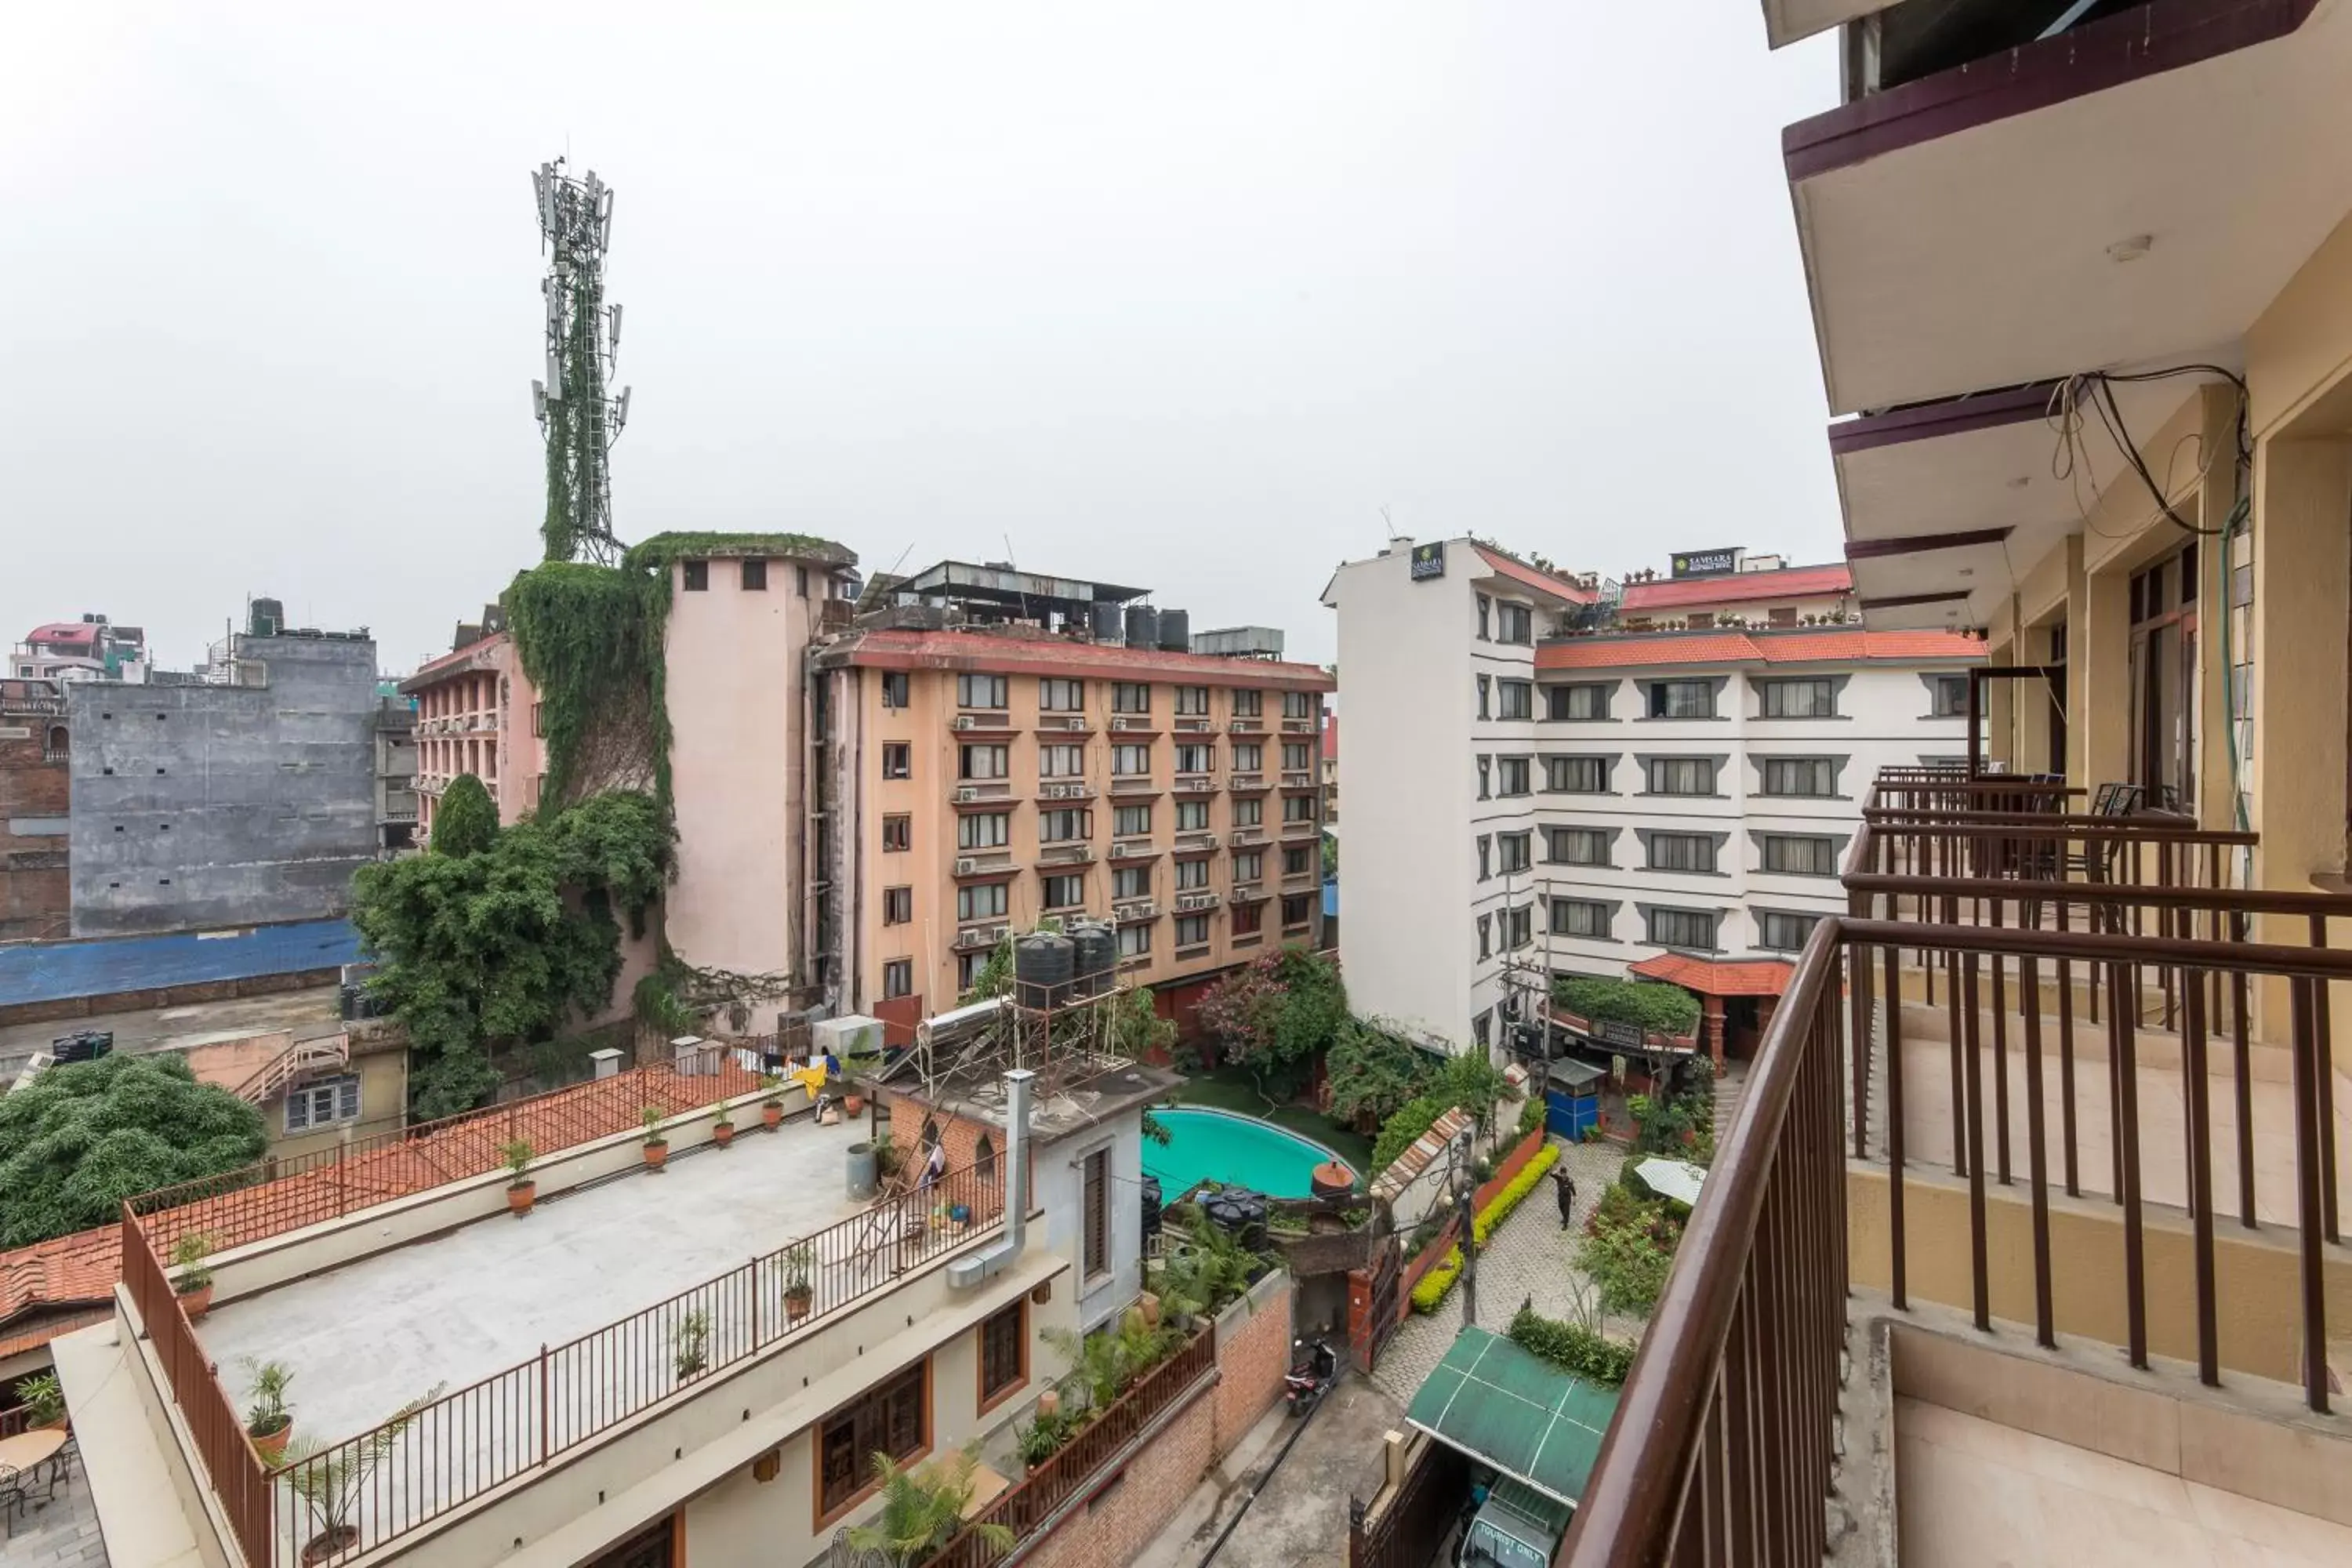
pixel 493 949
pixel 81 1138
pixel 466 819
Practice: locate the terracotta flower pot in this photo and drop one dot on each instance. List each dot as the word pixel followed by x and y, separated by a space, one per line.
pixel 520 1196
pixel 772 1115
pixel 1049 1403
pixel 197 1302
pixel 797 1303
pixel 272 1449
pixel 1150 1303
pixel 657 1156
pixel 853 1103
pixel 723 1133
pixel 330 1544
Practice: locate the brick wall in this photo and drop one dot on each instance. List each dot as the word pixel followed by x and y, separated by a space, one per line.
pixel 1253 1352
pixel 1130 1505
pixel 36 888
pixel 961 1134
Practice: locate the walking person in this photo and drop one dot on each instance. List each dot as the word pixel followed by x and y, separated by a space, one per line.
pixel 1566 1185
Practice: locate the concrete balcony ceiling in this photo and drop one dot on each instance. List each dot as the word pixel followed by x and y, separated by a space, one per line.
pixel 1947 505
pixel 2131 193
pixel 1786 21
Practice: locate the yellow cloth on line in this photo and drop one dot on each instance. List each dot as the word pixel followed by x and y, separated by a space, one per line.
pixel 813 1079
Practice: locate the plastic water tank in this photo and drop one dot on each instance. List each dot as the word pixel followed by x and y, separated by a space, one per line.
pixel 1042 966
pixel 1095 958
pixel 1142 627
pixel 1105 623
pixel 1176 631
pixel 865 1171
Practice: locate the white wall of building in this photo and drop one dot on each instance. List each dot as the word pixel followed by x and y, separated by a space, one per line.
pixel 1410 660
pixel 1404 659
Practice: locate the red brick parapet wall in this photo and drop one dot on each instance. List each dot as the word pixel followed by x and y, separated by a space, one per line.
pixel 1360 1284
pixel 1120 1512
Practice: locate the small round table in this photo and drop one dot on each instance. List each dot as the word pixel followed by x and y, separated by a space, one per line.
pixel 26 1449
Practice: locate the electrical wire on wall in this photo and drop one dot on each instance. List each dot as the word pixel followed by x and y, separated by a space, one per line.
pixel 2095 391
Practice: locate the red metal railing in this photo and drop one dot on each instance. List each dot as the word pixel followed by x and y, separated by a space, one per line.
pixel 1076 1464
pixel 454 1447
pixel 280 1194
pixel 235 1472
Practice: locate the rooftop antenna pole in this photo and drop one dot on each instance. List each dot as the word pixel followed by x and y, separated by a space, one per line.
pixel 577 415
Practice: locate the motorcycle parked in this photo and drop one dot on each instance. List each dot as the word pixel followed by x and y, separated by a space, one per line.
pixel 1313 1370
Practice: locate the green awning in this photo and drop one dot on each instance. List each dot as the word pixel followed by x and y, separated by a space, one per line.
pixel 1528 1419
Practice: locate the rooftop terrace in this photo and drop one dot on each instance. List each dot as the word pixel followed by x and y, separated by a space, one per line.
pixel 364 1339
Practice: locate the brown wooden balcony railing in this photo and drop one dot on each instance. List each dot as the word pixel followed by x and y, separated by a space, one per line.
pixel 1722 1449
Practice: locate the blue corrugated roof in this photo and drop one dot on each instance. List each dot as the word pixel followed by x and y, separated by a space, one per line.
pixel 55 971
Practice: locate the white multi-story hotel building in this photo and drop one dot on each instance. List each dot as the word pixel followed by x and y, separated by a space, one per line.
pixel 1544 775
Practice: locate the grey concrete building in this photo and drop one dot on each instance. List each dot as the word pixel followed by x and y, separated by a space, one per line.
pixel 395 774
pixel 244 795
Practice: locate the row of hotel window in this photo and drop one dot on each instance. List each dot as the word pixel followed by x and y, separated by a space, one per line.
pixel 1066 891
pixel 1056 695
pixel 1782 697
pixel 1075 824
pixel 1781 853
pixel 1694 930
pixel 1135 939
pixel 1795 777
pixel 1129 759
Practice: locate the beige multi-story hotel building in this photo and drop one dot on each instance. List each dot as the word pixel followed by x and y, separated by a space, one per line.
pixel 974 779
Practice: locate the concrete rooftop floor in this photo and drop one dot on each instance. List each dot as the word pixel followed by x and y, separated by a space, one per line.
pixel 364 1340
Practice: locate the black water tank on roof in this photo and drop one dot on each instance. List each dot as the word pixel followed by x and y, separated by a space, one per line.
pixel 1096 957
pixel 1176 631
pixel 1105 623
pixel 1041 969
pixel 1142 627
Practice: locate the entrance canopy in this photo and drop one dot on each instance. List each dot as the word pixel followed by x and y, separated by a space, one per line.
pixel 1739 977
pixel 1503 1407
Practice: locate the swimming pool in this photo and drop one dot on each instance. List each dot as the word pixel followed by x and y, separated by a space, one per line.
pixel 1239 1150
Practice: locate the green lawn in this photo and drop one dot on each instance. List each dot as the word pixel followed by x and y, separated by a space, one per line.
pixel 1232 1088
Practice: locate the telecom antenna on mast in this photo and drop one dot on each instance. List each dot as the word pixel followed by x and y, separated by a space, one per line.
pixel 576 415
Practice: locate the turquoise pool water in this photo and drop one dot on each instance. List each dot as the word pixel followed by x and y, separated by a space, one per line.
pixel 1239 1150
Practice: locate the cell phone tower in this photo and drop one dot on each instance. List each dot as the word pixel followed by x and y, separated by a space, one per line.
pixel 576 415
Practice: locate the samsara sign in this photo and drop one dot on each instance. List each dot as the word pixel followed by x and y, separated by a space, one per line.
pixel 1706 562
pixel 1428 561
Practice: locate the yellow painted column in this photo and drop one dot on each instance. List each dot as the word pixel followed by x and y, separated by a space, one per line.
pixel 2100 727
pixel 2303 586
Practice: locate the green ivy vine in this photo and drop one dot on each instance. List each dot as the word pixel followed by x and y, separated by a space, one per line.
pixel 591 639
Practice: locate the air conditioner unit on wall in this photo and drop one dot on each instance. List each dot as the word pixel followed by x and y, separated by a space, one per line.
pixel 960 721
pixel 966 867
pixel 1074 723
pixel 1122 723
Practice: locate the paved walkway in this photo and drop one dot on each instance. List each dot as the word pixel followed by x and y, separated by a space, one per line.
pixel 1531 1258
pixel 1298 1518
pixel 59 1533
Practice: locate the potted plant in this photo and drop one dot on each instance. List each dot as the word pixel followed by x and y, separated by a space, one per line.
pixel 268 1421
pixel 722 1127
pixel 45 1402
pixel 690 1345
pixel 853 1099
pixel 799 1292
pixel 521 1190
pixel 923 1509
pixel 656 1146
pixel 331 1479
pixel 194 1280
pixel 772 1107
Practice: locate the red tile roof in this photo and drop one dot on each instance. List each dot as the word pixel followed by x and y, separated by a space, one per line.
pixel 1742 977
pixel 1791 582
pixel 63 631
pixel 64 1271
pixel 1834 645
pixel 1330 737
pixel 889 648
pixel 1534 578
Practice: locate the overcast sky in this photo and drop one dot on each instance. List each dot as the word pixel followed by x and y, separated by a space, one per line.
pixel 1173 296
